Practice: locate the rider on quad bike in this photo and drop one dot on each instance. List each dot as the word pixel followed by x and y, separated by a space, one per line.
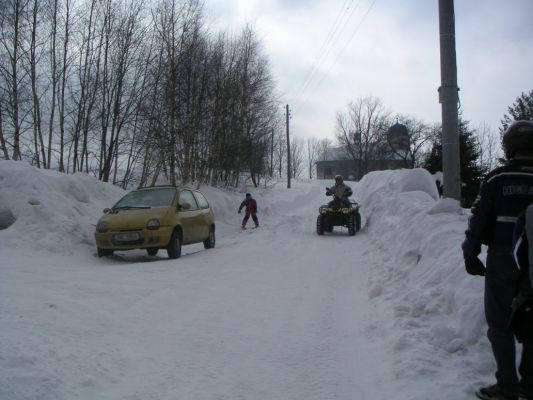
pixel 340 211
pixel 340 193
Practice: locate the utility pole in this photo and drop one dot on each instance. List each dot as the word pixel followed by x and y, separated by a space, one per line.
pixel 448 97
pixel 272 155
pixel 287 115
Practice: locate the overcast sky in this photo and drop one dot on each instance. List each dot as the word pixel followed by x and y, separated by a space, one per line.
pixel 326 53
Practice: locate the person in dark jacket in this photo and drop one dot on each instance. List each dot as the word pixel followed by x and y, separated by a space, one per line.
pixel 523 249
pixel 522 309
pixel 340 193
pixel 250 209
pixel 504 194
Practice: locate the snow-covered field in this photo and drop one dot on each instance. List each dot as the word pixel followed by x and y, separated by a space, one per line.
pixel 273 313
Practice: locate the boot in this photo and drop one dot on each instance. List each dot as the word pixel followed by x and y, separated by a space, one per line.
pixel 496 392
pixel 524 396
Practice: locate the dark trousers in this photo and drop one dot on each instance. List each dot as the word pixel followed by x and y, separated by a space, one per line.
pixel 344 202
pixel 501 282
pixel 254 217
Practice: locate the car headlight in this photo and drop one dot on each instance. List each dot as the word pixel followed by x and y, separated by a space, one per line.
pixel 102 227
pixel 153 224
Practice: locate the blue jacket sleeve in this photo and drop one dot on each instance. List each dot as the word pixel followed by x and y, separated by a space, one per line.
pixel 480 222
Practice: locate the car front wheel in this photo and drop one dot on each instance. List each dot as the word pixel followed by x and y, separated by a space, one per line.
pixel 209 243
pixel 152 251
pixel 104 252
pixel 174 247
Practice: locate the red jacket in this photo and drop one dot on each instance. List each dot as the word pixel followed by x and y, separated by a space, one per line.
pixel 250 204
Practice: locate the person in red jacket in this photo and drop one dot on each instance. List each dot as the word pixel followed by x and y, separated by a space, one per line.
pixel 250 209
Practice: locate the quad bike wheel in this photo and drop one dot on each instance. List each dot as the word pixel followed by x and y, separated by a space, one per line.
pixel 320 225
pixel 357 222
pixel 351 225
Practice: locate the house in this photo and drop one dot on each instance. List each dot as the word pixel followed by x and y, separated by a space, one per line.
pixel 337 161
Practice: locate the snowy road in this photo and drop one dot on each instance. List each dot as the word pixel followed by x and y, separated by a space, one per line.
pixel 274 313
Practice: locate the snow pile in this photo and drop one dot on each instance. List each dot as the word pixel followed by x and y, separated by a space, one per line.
pixel 435 308
pixel 50 211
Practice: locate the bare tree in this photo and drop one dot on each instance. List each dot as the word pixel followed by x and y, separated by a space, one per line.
pixel 361 130
pixel 172 23
pixel 119 94
pixel 90 45
pixel 2 140
pixel 323 146
pixel 12 52
pixel 280 153
pixel 53 11
pixel 313 151
pixel 113 90
pixel 297 157
pixel 32 62
pixel 489 147
pixel 65 64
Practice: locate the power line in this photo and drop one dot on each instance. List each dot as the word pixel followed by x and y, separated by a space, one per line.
pixel 346 44
pixel 336 25
pixel 330 44
pixel 343 17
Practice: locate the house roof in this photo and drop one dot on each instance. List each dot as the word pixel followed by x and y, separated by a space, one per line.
pixel 341 154
pixel 334 154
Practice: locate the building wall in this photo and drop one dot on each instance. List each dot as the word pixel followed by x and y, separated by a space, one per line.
pixel 348 168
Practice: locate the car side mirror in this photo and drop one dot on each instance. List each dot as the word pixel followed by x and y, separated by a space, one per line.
pixel 107 210
pixel 184 206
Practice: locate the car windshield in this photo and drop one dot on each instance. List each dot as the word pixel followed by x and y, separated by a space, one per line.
pixel 147 199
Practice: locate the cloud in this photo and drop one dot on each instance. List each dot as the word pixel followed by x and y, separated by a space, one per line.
pixel 388 49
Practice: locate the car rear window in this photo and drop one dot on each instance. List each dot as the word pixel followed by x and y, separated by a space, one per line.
pixel 148 198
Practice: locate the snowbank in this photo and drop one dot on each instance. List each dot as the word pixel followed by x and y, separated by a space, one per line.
pixel 435 308
pixel 51 211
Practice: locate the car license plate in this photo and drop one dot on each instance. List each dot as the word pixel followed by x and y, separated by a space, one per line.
pixel 126 237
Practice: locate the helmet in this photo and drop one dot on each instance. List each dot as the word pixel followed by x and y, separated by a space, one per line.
pixel 248 195
pixel 338 179
pixel 518 137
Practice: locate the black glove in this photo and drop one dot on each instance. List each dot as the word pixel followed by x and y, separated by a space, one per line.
pixel 474 266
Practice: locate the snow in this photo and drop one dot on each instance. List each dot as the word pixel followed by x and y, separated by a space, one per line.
pixel 273 313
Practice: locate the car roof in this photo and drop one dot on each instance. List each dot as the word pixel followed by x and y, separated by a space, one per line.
pixel 163 187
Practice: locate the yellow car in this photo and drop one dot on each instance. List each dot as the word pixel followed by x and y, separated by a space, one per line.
pixel 157 217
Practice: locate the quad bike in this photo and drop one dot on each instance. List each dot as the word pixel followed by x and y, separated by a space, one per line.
pixel 337 213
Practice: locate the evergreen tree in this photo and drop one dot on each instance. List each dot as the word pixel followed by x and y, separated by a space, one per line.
pixel 471 171
pixel 522 109
pixel 433 162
